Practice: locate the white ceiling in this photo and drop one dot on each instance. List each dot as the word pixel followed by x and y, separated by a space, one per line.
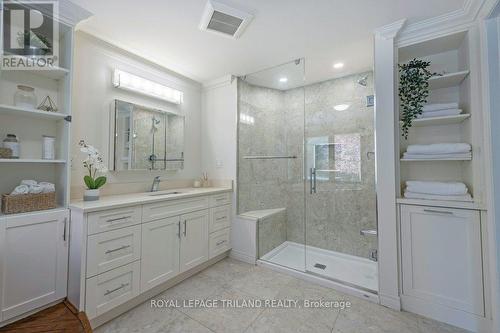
pixel 323 31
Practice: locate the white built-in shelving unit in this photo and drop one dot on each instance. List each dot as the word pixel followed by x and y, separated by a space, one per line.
pixel 30 125
pixel 448 55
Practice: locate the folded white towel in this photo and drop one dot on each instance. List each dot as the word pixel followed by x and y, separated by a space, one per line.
pixel 462 156
pixel 440 113
pixel 47 187
pixel 439 106
pixel 35 189
pixel 410 195
pixel 21 189
pixel 439 148
pixel 438 188
pixel 28 182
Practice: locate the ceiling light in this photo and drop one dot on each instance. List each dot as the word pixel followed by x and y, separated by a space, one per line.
pixel 341 107
pixel 143 86
pixel 338 65
pixel 283 79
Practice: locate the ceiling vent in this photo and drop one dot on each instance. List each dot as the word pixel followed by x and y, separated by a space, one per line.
pixel 225 20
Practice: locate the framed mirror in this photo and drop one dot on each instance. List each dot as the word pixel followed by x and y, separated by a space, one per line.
pixel 144 138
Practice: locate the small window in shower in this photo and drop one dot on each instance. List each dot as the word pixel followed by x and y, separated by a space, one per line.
pixel 337 158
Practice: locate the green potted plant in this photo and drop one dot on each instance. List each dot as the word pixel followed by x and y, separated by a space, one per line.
pixel 413 91
pixel 94 165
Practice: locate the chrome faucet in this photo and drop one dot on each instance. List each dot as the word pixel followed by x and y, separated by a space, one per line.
pixel 156 184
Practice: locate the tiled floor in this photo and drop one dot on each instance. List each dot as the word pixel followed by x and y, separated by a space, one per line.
pixel 233 280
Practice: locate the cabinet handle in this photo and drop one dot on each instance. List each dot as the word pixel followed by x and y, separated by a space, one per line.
pixel 65 227
pixel 118 249
pixel 179 229
pixel 185 228
pixel 123 285
pixel 118 219
pixel 221 218
pixel 438 211
pixel 220 242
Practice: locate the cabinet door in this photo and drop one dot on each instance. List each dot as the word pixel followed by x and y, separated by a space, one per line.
pixel 160 251
pixel 194 239
pixel 34 257
pixel 441 257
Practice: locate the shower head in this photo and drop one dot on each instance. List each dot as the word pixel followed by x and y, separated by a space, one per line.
pixel 362 81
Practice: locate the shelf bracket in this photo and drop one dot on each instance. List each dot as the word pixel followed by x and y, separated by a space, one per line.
pixel 68 119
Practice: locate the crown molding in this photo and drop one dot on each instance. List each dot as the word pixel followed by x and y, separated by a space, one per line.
pixel 454 21
pixel 226 80
pixel 390 30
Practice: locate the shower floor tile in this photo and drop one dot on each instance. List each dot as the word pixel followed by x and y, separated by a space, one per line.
pixel 345 268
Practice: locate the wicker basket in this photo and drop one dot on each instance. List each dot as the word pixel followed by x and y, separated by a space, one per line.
pixel 5 153
pixel 12 204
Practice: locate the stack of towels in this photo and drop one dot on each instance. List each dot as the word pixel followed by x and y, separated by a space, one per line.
pixel 439 151
pixel 451 191
pixel 33 187
pixel 440 110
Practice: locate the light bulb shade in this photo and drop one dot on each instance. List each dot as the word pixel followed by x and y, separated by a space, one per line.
pixel 143 86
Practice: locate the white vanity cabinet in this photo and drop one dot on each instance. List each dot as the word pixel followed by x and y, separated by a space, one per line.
pixel 33 261
pixel 442 266
pixel 120 254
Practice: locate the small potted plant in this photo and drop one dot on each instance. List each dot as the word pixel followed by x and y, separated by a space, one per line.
pixel 94 164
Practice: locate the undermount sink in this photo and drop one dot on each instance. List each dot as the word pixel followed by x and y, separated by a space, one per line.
pixel 155 194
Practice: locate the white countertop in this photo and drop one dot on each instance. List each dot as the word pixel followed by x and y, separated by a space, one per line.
pixel 123 200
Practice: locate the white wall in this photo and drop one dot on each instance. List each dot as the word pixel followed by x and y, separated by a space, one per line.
pixel 93 96
pixel 219 129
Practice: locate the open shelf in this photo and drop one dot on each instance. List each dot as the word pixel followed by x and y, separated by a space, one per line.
pixel 434 159
pixel 447 80
pixel 438 203
pixel 54 73
pixel 28 214
pixel 30 160
pixel 437 121
pixel 20 111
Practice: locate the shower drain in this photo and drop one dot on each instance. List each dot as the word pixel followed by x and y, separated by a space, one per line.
pixel 320 266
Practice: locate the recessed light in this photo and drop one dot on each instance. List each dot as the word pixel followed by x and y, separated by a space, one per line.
pixel 283 79
pixel 338 65
pixel 341 107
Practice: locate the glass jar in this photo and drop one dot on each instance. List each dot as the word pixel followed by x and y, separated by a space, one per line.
pixel 12 143
pixel 25 97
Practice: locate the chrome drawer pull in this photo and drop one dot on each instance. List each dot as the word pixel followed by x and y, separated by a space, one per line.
pixel 220 242
pixel 123 285
pixel 118 219
pixel 221 218
pixel 438 211
pixel 118 249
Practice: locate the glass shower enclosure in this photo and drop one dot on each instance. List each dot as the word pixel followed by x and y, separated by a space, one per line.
pixel 306 171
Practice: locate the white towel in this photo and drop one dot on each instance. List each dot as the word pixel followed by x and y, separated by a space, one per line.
pixel 410 195
pixel 47 187
pixel 28 182
pixel 439 106
pixel 440 113
pixel 21 189
pixel 35 189
pixel 438 188
pixel 439 148
pixel 462 156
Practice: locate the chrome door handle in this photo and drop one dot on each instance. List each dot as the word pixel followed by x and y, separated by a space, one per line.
pixel 438 211
pixel 220 242
pixel 312 180
pixel 179 229
pixel 366 232
pixel 123 285
pixel 65 227
pixel 117 249
pixel 185 228
pixel 117 219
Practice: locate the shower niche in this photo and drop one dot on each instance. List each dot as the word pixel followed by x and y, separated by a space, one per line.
pixel 144 138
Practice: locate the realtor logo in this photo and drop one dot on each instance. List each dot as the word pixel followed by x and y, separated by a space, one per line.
pixel 30 34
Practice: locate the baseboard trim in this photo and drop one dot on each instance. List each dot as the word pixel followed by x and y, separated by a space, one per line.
pixel 29 313
pixel 242 257
pixel 99 320
pixel 390 302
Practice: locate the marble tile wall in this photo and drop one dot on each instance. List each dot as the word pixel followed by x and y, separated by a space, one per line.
pixel 345 201
pixel 272 232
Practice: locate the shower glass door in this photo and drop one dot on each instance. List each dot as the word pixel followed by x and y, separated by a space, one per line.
pixel 271 161
pixel 340 204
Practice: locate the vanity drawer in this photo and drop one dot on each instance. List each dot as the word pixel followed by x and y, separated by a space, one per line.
pixel 220 218
pixel 108 290
pixel 113 249
pixel 220 241
pixel 220 199
pixel 164 209
pixel 113 219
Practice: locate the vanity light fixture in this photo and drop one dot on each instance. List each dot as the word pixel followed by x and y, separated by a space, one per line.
pixel 338 65
pixel 143 86
pixel 341 107
pixel 283 80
